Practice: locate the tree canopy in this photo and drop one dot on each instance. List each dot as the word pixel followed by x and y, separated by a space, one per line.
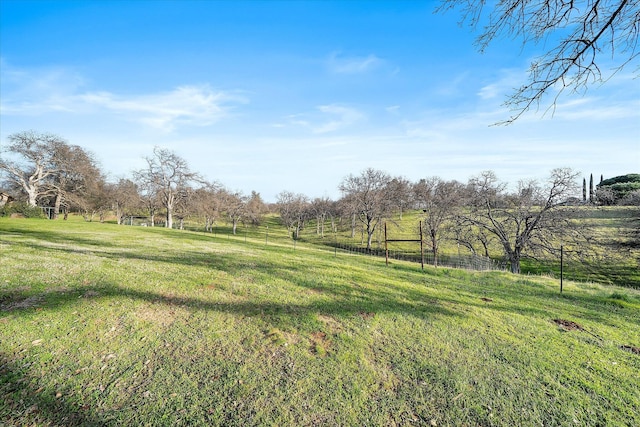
pixel 581 36
pixel 618 189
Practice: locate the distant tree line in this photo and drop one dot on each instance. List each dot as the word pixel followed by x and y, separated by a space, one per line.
pixel 525 220
pixel 45 171
pixel 620 190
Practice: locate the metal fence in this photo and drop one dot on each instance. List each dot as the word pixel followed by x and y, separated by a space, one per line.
pixel 469 262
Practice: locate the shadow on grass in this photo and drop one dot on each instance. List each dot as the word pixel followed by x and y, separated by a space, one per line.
pixel 56 237
pixel 347 296
pixel 519 294
pixel 342 303
pixel 343 297
pixel 23 403
pixel 19 385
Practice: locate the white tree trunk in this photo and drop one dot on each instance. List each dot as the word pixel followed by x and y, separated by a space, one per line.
pixel 32 195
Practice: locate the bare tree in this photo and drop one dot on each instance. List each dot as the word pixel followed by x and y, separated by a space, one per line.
pixel 370 198
pixel 440 201
pixel 347 208
pixel 321 208
pixel 532 218
pixel 78 180
pixel 293 211
pixel 470 237
pixel 604 196
pixel 149 199
pixel 255 209
pixel 207 203
pixel 184 205
pixel 400 193
pixel 234 206
pixel 96 201
pixel 125 196
pixel 35 166
pixel 585 30
pixel 166 175
pixel 52 172
pixel 632 232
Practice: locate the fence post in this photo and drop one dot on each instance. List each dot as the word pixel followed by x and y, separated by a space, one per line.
pixel 386 245
pixel 561 266
pixel 421 248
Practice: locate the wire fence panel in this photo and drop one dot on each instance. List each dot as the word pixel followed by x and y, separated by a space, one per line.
pixel 468 262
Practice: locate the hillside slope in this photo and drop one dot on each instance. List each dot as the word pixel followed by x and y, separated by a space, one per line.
pixel 109 325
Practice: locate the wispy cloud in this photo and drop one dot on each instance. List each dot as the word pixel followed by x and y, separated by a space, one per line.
pixel 352 64
pixel 454 85
pixel 326 118
pixel 185 105
pixel 342 117
pixel 594 109
pixel 32 92
pixel 58 90
pixel 507 80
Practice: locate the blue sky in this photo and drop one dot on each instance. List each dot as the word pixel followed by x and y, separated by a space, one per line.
pixel 296 95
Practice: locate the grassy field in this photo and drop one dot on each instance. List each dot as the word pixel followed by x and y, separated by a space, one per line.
pixel 605 264
pixel 109 325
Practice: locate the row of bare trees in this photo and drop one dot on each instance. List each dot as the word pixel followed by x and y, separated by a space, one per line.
pixel 51 173
pixel 484 213
pixel 529 219
pixel 168 185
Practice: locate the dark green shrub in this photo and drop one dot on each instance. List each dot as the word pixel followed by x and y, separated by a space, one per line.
pixel 615 190
pixel 631 177
pixel 23 209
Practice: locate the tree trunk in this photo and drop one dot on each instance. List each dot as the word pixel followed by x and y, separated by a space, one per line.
pixel 514 260
pixel 353 226
pixel 169 223
pixel 119 214
pixel 32 196
pixel 515 265
pixel 56 206
pixel 370 232
pixel 235 225
pixel 434 247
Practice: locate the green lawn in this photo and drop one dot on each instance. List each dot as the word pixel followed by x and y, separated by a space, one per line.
pixel 110 325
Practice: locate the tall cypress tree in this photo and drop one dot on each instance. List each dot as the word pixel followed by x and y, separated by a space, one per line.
pixel 584 189
pixel 591 189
